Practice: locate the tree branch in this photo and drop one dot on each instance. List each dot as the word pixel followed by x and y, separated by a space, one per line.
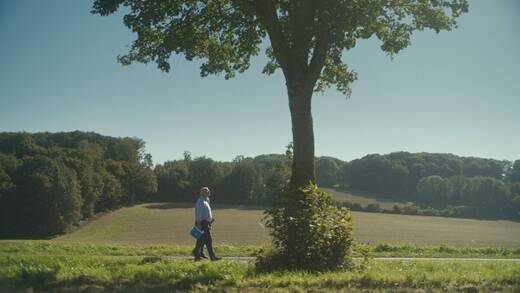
pixel 267 14
pixel 317 62
pixel 301 17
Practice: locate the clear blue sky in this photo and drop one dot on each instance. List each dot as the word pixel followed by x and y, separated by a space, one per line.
pixel 455 92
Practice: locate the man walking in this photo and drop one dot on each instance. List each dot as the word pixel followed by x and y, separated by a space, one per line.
pixel 203 220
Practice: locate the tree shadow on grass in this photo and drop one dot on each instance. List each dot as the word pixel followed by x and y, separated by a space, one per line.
pixel 157 278
pixel 140 283
pixel 177 205
pixel 31 278
pixel 6 287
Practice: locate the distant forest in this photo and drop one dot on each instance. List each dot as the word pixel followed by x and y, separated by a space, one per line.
pixel 437 184
pixel 50 182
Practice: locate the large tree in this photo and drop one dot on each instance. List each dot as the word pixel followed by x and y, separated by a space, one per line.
pixel 308 39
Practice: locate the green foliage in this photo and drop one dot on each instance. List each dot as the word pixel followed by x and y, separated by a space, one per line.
pixel 473 187
pixel 274 180
pixel 6 184
pixel 433 189
pixel 218 32
pixel 392 178
pixel 327 170
pixel 203 172
pixel 173 181
pixel 476 197
pixel 398 173
pixel 305 37
pixel 243 184
pixel 308 233
pixel 112 193
pixel 514 173
pixel 87 162
pixel 142 182
pixel 51 181
pixel 243 181
pixel 50 195
pixel 515 189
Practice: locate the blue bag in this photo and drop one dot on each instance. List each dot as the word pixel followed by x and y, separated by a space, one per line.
pixel 196 232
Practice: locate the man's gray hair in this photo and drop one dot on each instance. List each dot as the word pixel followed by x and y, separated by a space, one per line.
pixel 204 189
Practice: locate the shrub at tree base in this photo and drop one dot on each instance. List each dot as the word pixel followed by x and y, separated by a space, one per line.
pixel 309 233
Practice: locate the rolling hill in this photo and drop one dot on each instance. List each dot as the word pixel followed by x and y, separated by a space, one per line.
pixel 168 223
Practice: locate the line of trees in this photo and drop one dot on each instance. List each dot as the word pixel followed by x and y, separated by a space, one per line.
pixel 253 181
pixel 438 184
pixel 457 186
pixel 476 197
pixel 49 182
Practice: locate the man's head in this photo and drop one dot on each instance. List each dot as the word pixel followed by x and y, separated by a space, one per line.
pixel 205 192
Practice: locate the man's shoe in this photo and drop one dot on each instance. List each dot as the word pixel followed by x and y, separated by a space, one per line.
pixel 197 258
pixel 203 256
pixel 215 258
pixel 196 255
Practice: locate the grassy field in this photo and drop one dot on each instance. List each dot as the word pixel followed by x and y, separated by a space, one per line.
pixel 363 198
pixel 100 273
pixel 164 223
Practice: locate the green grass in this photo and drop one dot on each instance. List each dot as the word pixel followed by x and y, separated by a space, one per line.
pixel 165 223
pixel 137 274
pixel 43 247
pixel 443 251
pixel 72 267
pixel 36 248
pixel 363 198
pixel 168 224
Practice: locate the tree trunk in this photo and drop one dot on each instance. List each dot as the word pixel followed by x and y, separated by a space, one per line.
pixel 300 97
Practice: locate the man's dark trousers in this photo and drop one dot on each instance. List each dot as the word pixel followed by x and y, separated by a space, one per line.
pixel 205 239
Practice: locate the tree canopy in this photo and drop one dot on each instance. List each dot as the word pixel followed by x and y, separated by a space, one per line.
pixel 307 41
pixel 305 35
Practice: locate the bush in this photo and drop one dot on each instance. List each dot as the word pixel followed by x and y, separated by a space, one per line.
pixel 373 207
pixel 309 233
pixel 410 210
